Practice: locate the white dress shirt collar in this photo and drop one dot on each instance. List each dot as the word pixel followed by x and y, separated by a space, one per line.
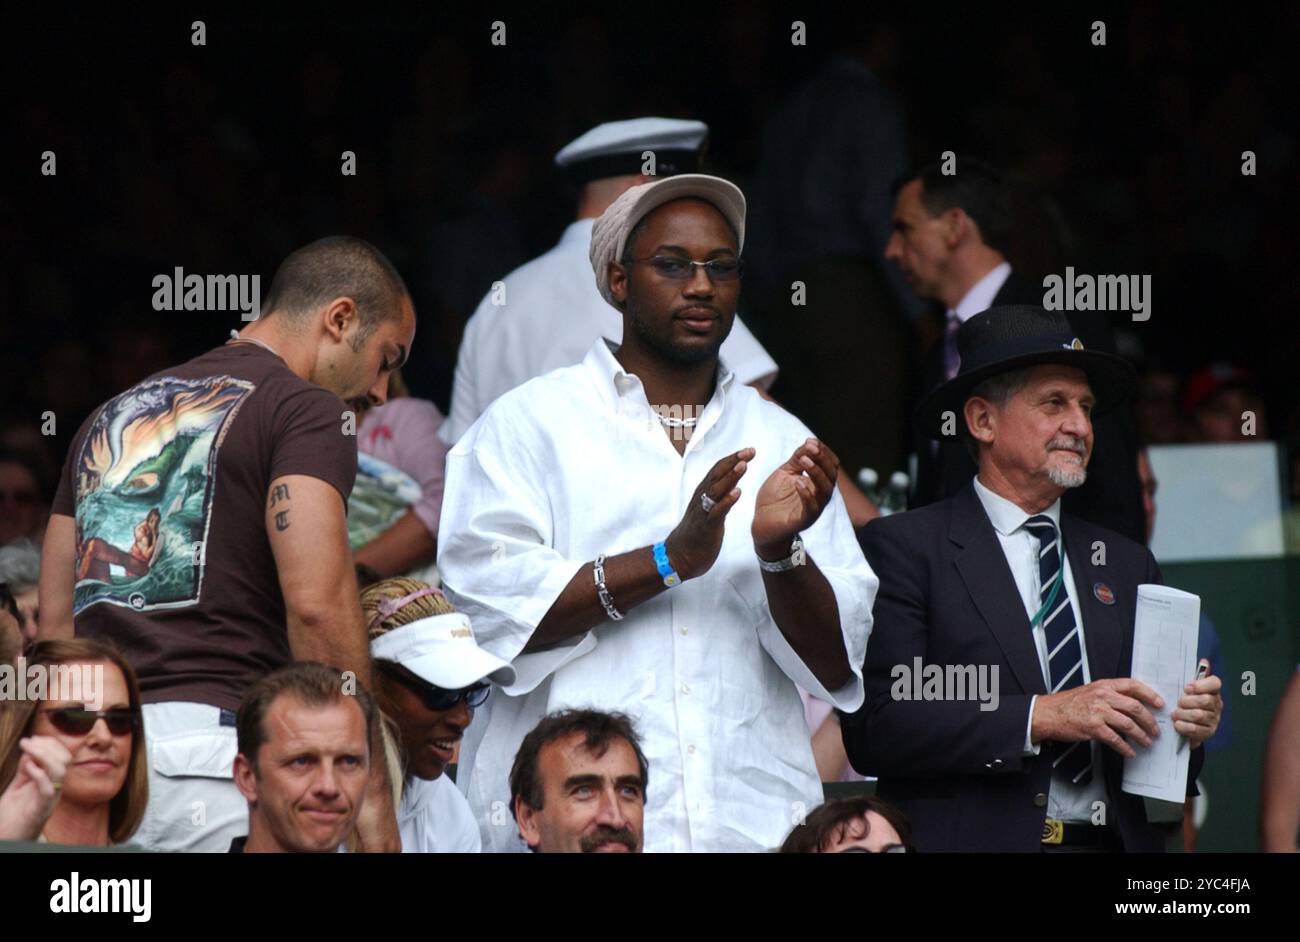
pixel 1006 516
pixel 980 296
pixel 610 375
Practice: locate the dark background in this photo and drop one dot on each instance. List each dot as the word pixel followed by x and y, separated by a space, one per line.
pixel 223 158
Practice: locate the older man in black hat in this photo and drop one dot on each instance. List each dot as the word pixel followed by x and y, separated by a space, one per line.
pixel 1033 608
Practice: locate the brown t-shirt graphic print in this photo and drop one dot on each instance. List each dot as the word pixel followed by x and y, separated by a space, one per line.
pixel 168 486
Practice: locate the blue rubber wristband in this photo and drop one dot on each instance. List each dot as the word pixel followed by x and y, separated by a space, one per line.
pixel 665 567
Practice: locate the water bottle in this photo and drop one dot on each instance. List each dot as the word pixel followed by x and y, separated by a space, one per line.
pixel 895 498
pixel 869 480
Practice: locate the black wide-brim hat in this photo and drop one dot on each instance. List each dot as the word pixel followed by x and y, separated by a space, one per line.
pixel 1014 337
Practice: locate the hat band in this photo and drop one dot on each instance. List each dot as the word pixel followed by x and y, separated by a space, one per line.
pixel 1019 347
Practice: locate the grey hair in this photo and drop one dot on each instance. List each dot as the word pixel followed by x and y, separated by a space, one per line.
pixel 20 564
pixel 998 390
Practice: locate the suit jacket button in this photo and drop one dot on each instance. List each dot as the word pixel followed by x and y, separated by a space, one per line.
pixel 1040 800
pixel 996 763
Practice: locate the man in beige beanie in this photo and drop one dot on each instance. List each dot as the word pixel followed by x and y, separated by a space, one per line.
pixel 586 521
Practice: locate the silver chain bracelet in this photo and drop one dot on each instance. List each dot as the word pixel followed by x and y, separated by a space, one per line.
pixel 606 599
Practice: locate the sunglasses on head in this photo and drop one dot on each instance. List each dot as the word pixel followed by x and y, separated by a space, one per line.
pixel 437 699
pixel 77 721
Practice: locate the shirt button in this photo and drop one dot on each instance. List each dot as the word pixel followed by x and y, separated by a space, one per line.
pixel 691 750
pixel 685 688
pixel 1040 800
pixel 684 629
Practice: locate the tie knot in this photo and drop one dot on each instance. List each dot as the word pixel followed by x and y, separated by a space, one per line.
pixel 1041 525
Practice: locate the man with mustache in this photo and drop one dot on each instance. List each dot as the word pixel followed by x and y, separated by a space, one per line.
pixel 643 533
pixel 578 785
pixel 304 760
pixel 998 576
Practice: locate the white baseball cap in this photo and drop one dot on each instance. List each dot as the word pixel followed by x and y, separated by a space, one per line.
pixel 442 651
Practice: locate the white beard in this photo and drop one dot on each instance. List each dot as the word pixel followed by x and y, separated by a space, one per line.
pixel 1067 477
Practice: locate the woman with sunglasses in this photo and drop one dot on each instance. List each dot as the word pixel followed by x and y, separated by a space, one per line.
pixel 429 676
pixel 106 784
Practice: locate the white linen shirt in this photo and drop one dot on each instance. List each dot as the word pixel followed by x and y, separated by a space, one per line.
pixel 547 316
pixel 573 464
pixel 1065 800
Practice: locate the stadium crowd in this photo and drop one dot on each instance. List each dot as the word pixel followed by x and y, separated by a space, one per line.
pixel 628 594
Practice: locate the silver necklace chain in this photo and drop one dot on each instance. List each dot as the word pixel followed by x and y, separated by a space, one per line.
pixel 669 421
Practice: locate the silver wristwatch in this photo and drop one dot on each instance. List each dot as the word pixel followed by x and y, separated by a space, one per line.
pixel 796 558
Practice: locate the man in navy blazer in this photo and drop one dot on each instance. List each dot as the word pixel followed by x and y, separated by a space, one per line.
pixel 977 597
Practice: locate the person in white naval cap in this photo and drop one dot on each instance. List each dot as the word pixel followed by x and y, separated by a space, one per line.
pixel 430 676
pixel 642 533
pixel 546 313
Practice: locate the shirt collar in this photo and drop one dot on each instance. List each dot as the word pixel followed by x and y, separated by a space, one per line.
pixel 1006 516
pixel 980 296
pixel 614 382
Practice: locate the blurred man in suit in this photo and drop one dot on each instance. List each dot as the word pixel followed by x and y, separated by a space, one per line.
pixel 996 579
pixel 949 239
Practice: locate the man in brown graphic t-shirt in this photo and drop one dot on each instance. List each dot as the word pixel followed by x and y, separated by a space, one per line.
pixel 200 526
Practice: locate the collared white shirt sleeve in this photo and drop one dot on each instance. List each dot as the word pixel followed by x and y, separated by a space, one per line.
pixel 830 543
pixel 497 555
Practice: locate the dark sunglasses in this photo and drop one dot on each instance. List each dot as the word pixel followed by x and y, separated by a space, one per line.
pixel 76 721
pixel 679 269
pixel 436 698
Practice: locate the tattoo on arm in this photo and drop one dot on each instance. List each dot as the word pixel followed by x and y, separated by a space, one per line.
pixel 282 520
pixel 281 490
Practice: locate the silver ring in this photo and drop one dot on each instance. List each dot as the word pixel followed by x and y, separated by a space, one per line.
pixel 707 502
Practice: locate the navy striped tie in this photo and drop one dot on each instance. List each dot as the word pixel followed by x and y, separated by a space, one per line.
pixel 1064 652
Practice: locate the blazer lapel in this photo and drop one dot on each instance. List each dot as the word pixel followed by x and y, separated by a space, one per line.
pixel 983 568
pixel 1102 632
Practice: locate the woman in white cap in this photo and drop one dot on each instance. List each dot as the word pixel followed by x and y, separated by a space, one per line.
pixel 429 677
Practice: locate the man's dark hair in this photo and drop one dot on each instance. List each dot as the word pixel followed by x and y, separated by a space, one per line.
pixel 599 730
pixel 311 683
pixel 977 188
pixel 834 819
pixel 336 267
